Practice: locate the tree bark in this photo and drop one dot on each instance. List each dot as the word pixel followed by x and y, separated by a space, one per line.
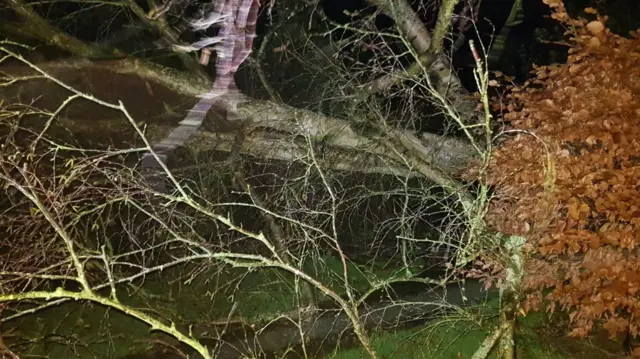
pixel 510 294
pixel 433 157
pixel 35 27
pixel 161 26
pixel 347 149
pixel 430 57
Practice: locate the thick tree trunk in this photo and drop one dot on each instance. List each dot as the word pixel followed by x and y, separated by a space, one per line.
pixel 34 27
pixel 346 149
pixel 327 328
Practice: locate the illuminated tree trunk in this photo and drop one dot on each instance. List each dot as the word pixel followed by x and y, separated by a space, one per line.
pixel 510 295
pixel 503 337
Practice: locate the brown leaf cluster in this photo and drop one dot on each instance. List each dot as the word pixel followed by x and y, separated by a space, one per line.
pixel 570 179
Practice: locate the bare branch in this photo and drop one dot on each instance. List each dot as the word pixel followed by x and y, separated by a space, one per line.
pixel 428 56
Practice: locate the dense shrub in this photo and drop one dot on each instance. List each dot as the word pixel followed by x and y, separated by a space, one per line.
pixel 568 178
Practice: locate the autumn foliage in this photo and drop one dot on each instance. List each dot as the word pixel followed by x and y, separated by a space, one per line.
pixel 568 179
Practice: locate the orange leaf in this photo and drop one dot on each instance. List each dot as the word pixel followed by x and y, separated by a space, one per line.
pixel 574 211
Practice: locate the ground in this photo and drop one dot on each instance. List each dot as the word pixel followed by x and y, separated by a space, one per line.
pixel 81 330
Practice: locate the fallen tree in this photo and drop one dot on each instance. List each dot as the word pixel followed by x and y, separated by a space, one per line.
pixel 368 132
pixel 446 155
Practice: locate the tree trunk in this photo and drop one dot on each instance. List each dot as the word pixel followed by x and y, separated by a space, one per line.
pixel 503 336
pixel 34 27
pixel 510 295
pixel 282 124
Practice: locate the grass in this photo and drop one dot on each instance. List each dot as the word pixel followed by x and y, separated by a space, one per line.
pixel 83 330
pixel 458 338
pixel 441 343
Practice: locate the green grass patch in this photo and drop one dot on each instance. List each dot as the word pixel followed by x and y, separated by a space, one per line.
pixel 83 330
pixel 459 338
